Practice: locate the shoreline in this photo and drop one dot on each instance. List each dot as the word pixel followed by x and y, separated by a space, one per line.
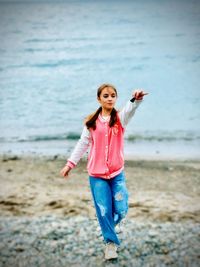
pixel 127 157
pixel 143 150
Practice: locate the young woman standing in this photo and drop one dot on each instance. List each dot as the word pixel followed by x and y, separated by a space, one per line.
pixel 103 133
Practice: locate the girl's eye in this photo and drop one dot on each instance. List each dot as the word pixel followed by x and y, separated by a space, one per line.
pixel 105 96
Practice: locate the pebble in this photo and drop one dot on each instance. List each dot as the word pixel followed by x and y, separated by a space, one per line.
pixel 50 241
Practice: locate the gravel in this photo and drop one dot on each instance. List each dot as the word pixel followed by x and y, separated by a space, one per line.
pixel 59 241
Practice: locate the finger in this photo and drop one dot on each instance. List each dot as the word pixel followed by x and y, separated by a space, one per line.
pixel 136 94
pixel 63 173
pixel 140 93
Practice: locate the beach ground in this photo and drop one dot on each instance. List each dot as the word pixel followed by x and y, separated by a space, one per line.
pixel 158 190
pixel 47 220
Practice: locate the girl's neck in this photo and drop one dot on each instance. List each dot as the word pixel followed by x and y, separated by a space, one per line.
pixel 105 112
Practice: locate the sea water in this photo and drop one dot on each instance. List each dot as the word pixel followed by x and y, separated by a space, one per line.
pixel 55 54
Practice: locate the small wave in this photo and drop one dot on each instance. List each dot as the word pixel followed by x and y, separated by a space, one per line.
pixel 196 59
pixel 179 34
pixel 38 49
pixel 136 43
pixel 170 57
pixel 57 63
pixel 69 136
pixel 162 138
pixel 124 21
pixel 73 136
pixel 40 138
pixel 51 64
pixel 37 40
pixel 138 67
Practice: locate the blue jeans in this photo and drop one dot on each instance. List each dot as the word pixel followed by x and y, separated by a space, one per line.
pixel 111 203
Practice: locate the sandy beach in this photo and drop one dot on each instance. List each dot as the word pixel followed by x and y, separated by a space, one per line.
pixel 159 190
pixel 47 220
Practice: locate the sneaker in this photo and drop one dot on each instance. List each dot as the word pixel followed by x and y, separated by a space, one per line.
pixel 111 251
pixel 119 228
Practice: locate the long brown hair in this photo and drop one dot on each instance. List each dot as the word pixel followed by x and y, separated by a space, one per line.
pixel 90 121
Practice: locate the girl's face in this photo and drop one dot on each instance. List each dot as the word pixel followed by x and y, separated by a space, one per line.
pixel 107 98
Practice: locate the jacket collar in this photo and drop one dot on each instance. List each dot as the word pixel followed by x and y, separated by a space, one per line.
pixel 102 119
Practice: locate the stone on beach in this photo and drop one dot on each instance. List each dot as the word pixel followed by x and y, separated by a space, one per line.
pixel 58 241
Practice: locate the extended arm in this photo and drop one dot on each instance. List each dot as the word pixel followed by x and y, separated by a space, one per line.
pixel 129 109
pixel 79 150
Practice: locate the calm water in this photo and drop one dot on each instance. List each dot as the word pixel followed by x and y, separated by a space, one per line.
pixel 53 56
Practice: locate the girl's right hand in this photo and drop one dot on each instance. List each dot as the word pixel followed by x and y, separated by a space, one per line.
pixel 65 171
pixel 138 94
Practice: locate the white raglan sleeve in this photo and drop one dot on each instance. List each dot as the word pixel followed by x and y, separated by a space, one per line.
pixel 128 111
pixel 80 148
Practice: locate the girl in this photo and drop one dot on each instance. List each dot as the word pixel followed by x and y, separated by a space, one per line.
pixel 103 133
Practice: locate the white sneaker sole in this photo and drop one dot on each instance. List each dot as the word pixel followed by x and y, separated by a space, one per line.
pixel 110 257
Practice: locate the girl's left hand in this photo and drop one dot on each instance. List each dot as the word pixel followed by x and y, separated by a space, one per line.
pixel 138 94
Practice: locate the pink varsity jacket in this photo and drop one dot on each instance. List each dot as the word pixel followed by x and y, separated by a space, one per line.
pixel 106 155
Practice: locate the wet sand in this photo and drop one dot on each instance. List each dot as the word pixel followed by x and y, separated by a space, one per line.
pixel 159 191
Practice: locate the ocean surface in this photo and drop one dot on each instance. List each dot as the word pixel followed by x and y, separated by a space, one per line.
pixel 55 54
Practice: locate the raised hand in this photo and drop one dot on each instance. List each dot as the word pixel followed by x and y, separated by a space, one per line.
pixel 138 94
